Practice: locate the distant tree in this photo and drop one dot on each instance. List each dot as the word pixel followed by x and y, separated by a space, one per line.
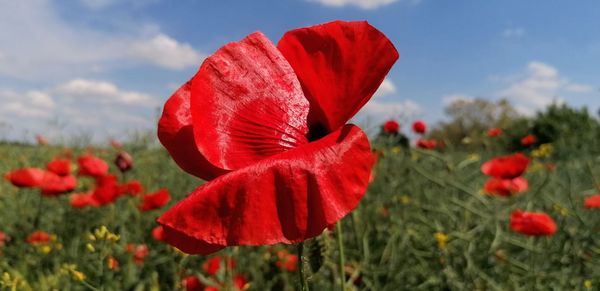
pixel 469 120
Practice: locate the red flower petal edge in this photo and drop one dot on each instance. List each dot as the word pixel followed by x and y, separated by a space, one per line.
pixel 176 134
pixel 340 66
pixel 247 104
pixel 532 223
pixel 506 167
pixel 286 198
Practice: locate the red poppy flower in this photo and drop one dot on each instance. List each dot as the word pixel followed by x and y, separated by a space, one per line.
pixel 124 161
pixel 240 282
pixel 61 167
pixel 3 238
pixel 54 185
pixel 506 167
pixel 139 252
pixel 158 233
pixel 494 132
pixel 212 266
pixel 528 140
pixel 92 166
pixel 263 115
pixel 428 144
pixel 419 126
pixel 82 200
pixel 391 127
pixel 39 237
pixel 26 177
pixel 112 263
pixel 506 187
pixel 106 190
pixel 286 261
pixel 192 283
pixel 532 223
pixel 132 188
pixel 592 202
pixel 155 200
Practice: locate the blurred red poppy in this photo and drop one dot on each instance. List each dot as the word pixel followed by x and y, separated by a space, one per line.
pixel 3 238
pixel 592 202
pixel 155 200
pixel 528 140
pixel 82 200
pixel 286 261
pixel 391 127
pixel 39 237
pixel 54 185
pixel 132 188
pixel 112 263
pixel 106 190
pixel 158 233
pixel 92 166
pixel 139 252
pixel 212 266
pixel 506 167
pixel 61 167
pixel 263 115
pixel 494 132
pixel 26 177
pixel 419 126
pixel 41 140
pixel 192 283
pixel 428 144
pixel 532 223
pixel 124 161
pixel 506 187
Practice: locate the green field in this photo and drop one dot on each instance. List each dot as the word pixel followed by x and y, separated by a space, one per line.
pixel 424 224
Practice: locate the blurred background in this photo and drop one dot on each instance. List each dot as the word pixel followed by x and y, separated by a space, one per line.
pixel 90 70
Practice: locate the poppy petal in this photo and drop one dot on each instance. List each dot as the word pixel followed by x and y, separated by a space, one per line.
pixel 247 104
pixel 176 134
pixel 286 198
pixel 338 63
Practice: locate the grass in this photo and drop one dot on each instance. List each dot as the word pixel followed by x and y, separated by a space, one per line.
pixel 423 225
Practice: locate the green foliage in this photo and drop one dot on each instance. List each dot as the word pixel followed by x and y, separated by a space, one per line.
pixel 423 225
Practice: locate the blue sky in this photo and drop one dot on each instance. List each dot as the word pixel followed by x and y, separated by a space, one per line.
pixel 105 66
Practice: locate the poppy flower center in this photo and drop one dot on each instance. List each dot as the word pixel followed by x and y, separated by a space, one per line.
pixel 316 132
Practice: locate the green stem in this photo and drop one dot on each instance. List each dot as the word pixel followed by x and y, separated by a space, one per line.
pixel 301 273
pixel 340 243
pixel 36 221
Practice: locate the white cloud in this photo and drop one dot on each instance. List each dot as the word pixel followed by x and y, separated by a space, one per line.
pixel 448 99
pixel 363 4
pixel 103 92
pixel 98 108
pixel 538 86
pixel 515 32
pixel 40 45
pixel 392 109
pixel 386 88
pixel 166 52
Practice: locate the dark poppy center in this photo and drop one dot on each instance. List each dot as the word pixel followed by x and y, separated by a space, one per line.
pixel 316 132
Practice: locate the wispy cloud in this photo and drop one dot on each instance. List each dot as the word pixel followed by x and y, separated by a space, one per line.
pixel 50 48
pixel 386 88
pixel 514 32
pixel 539 85
pixel 363 4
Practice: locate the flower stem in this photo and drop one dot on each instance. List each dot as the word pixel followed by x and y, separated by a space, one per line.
pixel 301 273
pixel 36 221
pixel 340 243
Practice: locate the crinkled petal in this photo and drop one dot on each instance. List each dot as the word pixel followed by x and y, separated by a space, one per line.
pixel 247 104
pixel 340 66
pixel 177 136
pixel 286 198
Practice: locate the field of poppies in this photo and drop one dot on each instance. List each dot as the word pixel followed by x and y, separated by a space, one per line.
pixel 431 219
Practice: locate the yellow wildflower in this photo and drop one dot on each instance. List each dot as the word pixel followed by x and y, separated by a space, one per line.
pixel 442 239
pixel 587 284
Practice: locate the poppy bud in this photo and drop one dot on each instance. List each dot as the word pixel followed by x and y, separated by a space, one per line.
pixel 124 161
pixel 391 127
pixel 419 126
